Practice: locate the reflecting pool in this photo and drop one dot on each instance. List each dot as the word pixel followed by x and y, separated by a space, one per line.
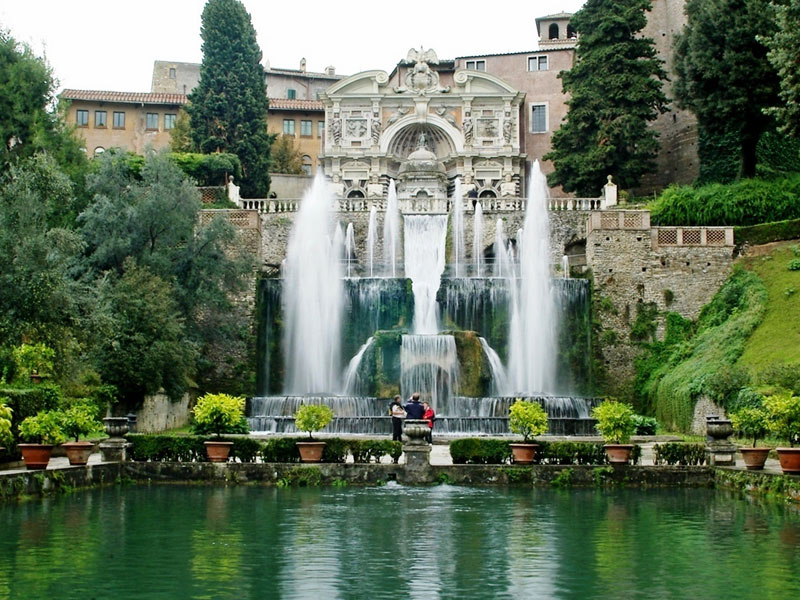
pixel 398 542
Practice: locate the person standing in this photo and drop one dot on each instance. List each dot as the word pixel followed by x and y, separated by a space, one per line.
pixel 414 410
pixel 398 414
pixel 429 416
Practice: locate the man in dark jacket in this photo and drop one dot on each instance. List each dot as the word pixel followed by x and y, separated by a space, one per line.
pixel 414 408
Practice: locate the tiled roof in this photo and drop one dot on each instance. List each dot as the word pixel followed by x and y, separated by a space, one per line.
pixel 286 104
pixel 561 15
pixel 564 46
pixel 127 97
pixel 310 74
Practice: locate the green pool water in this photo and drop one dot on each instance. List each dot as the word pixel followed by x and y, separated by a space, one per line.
pixel 398 542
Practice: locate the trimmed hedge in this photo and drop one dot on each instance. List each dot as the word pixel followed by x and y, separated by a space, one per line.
pixel 767 232
pixel 673 453
pixel 482 451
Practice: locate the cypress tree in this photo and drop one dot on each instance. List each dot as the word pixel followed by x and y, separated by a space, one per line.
pixel 614 89
pixel 228 108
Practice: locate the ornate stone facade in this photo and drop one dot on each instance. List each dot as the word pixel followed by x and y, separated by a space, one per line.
pixel 466 120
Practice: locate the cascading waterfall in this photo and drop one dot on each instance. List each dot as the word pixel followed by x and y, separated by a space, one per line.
pixel 391 232
pixel 351 379
pixel 458 231
pixel 499 377
pixel 312 297
pixel 503 261
pixel 424 240
pixel 429 365
pixel 477 241
pixel 371 233
pixel 533 331
pixel 349 249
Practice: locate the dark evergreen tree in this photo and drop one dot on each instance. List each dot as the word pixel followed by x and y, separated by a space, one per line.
pixel 784 55
pixel 228 108
pixel 724 76
pixel 614 89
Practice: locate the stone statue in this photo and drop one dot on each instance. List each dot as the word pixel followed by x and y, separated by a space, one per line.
pixel 508 125
pixel 447 116
pixel 376 130
pixel 398 114
pixel 336 130
pixel 422 142
pixel 421 79
pixel 466 125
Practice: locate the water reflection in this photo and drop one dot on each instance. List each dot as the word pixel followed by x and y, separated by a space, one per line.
pixel 397 542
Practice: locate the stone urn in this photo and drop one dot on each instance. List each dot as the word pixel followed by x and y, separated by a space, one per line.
pixel 115 426
pixel 416 430
pixel 719 429
pixel 719 450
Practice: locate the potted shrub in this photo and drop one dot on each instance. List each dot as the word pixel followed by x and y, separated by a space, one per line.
pixel 751 422
pixel 311 418
pixel 77 421
pixel 6 438
pixel 616 423
pixel 527 419
pixel 218 414
pixel 41 432
pixel 783 416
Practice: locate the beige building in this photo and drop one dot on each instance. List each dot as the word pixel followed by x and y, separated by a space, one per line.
pixel 128 120
pixel 303 119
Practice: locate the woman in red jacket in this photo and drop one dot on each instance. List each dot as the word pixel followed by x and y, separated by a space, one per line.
pixel 429 416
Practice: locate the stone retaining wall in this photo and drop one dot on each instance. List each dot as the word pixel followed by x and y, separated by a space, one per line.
pixel 159 413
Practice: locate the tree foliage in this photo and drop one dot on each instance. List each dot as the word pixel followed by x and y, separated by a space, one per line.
pixel 615 89
pixel 724 77
pixel 285 156
pixel 181 134
pixel 784 56
pixel 228 108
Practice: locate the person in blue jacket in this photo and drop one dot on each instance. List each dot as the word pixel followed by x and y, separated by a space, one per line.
pixel 414 408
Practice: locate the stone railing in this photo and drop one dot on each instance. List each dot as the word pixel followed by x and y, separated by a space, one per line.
pixel 210 194
pixel 618 219
pixel 691 236
pixel 418 205
pixel 241 219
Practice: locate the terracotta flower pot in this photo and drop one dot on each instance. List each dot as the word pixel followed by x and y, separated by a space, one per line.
pixel 311 451
pixel 790 459
pixel 754 458
pixel 218 451
pixel 618 454
pixel 523 454
pixel 36 456
pixel 78 452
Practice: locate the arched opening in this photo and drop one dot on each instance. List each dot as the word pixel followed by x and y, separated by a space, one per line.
pixel 571 33
pixel 306 164
pixel 355 194
pixel 553 32
pixel 99 150
pixel 406 140
pixel 487 194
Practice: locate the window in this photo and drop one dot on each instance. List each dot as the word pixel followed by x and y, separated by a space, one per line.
pixel 82 118
pixel 553 31
pixel 119 120
pixel 537 63
pixel 306 164
pixel 320 129
pixel 291 94
pixel 477 65
pixel 99 150
pixel 305 128
pixel 169 121
pixel 172 73
pixel 538 118
pixel 288 126
pixel 151 121
pixel 99 118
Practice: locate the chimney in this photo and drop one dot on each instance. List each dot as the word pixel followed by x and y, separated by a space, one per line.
pixel 303 65
pixel 330 71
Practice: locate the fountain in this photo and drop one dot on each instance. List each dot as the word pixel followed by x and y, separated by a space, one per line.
pixel 470 345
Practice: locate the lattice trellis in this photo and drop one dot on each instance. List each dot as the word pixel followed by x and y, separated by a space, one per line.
pixel 691 237
pixel 667 237
pixel 715 237
pixel 632 220
pixel 609 221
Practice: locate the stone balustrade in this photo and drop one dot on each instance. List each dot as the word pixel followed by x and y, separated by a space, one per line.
pixel 660 236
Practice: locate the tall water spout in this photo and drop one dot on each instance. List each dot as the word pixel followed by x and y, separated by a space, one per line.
pixel 565 266
pixel 391 232
pixel 424 240
pixel 349 248
pixel 503 265
pixel 458 230
pixel 477 241
pixel 372 231
pixel 313 297
pixel 533 333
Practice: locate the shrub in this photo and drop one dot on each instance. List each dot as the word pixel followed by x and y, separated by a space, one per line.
pixel 219 413
pixel 6 437
pixel 33 359
pixel 765 233
pixel 186 448
pixel 747 398
pixel 614 421
pixel 79 420
pixel 479 451
pixel 312 417
pixel 679 454
pixel 783 412
pixel 527 418
pixel 283 450
pixel 750 422
pixel 794 264
pixel 42 428
pixel 645 425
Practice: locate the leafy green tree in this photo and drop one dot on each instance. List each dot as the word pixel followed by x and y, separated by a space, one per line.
pixel 614 89
pixel 27 123
pixel 286 156
pixel 784 56
pixel 181 134
pixel 724 76
pixel 228 108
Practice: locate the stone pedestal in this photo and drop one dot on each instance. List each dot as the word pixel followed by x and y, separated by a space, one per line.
pixel 719 451
pixel 114 450
pixel 417 451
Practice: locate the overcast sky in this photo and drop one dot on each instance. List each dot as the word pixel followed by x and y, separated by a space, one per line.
pixel 110 45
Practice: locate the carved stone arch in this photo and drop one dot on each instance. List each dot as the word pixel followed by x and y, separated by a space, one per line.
pixel 444 133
